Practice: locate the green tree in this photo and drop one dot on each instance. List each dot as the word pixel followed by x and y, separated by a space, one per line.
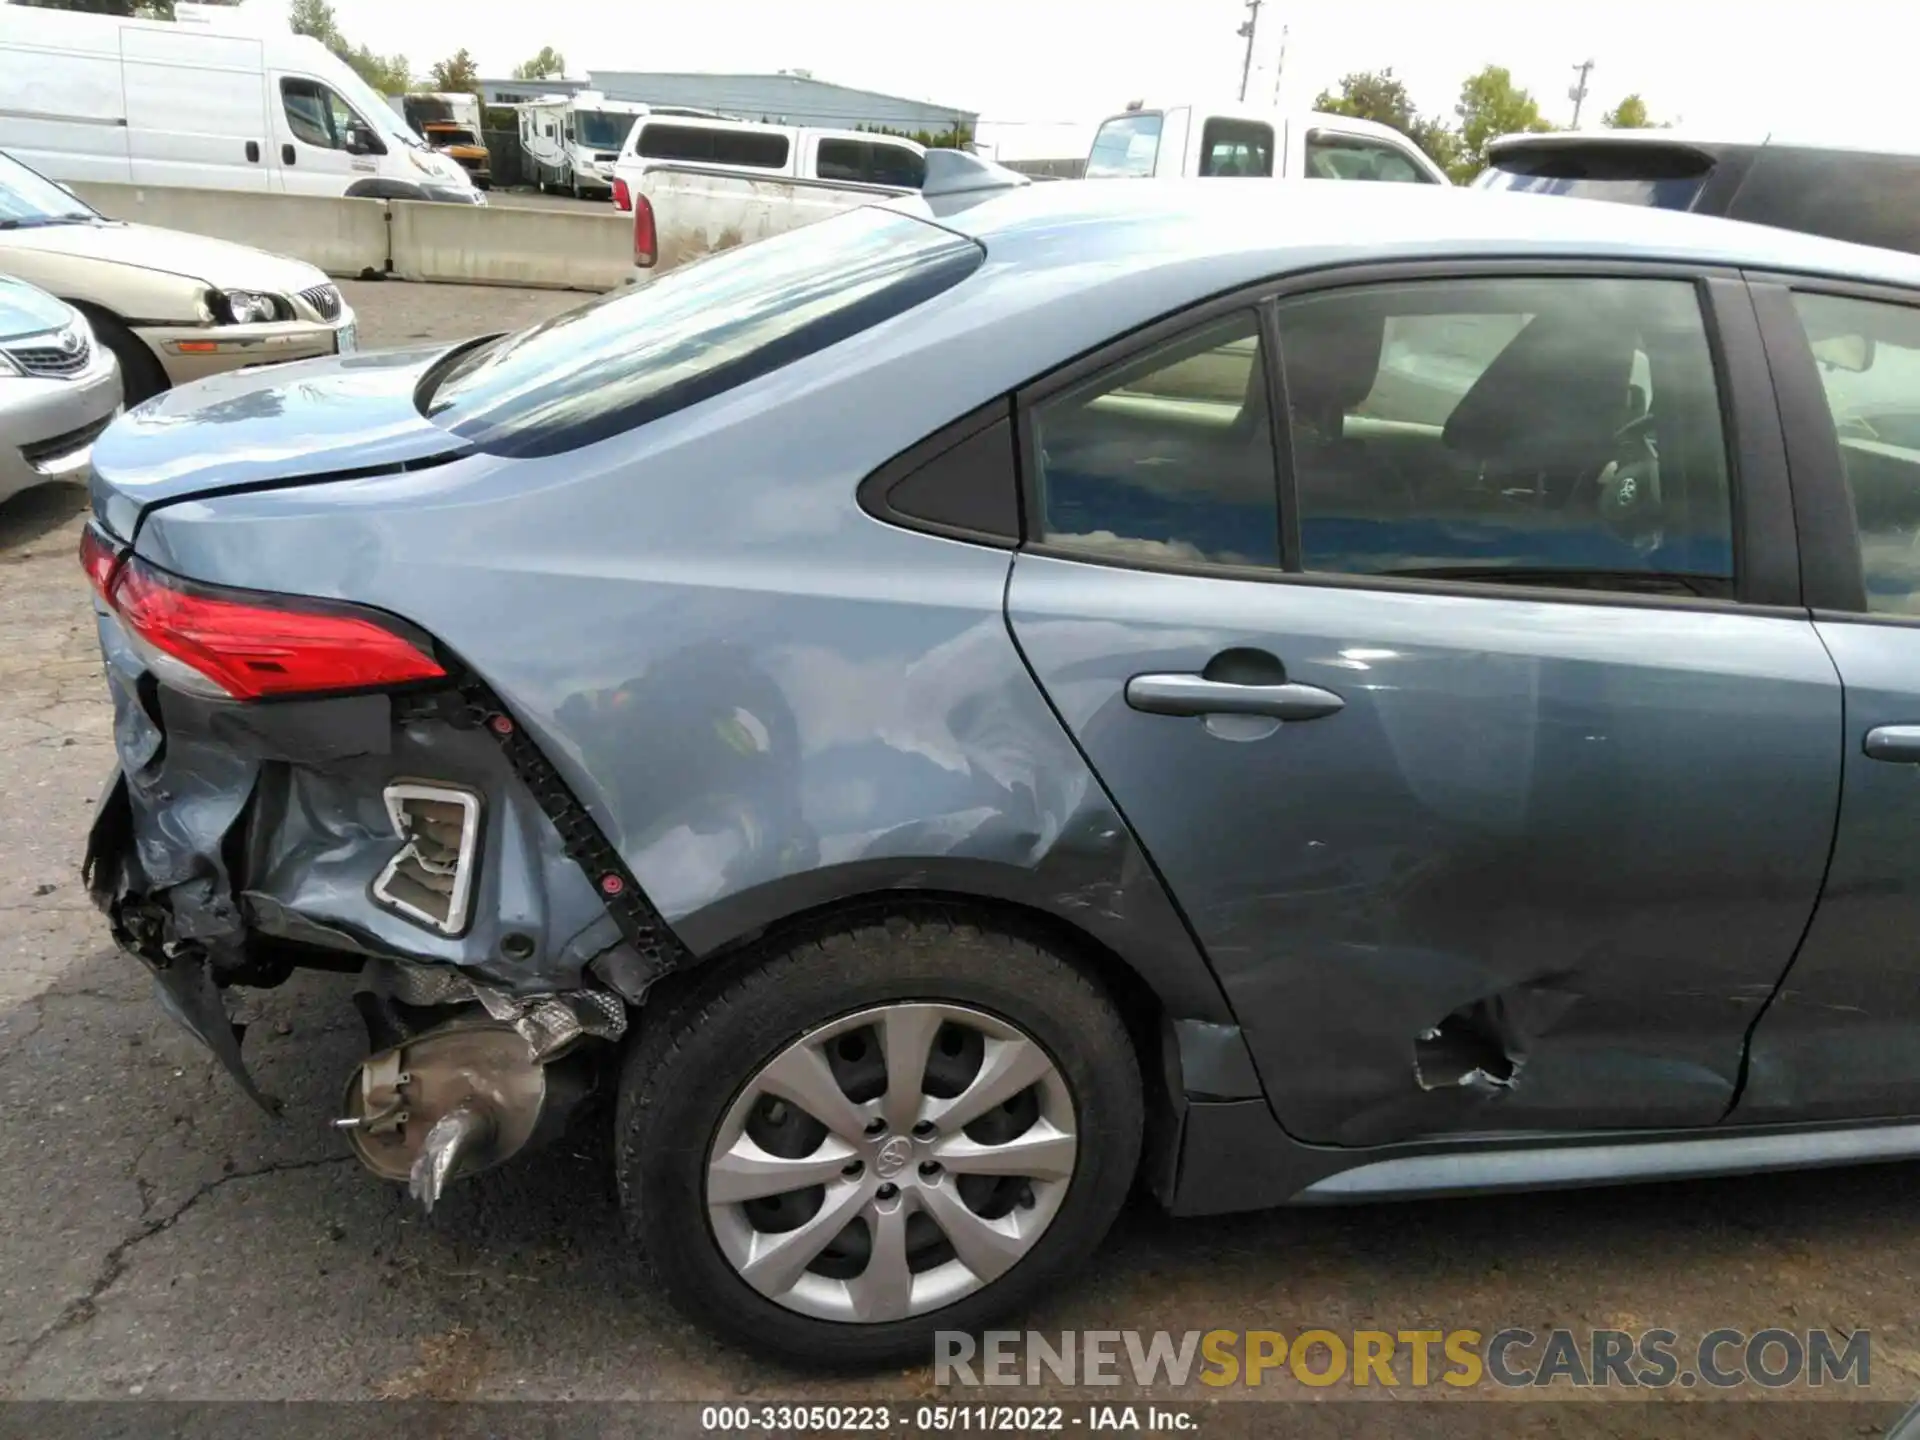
pixel 315 18
pixel 1380 96
pixel 388 74
pixel 1490 105
pixel 549 64
pixel 1629 114
pixel 456 75
pixel 1375 95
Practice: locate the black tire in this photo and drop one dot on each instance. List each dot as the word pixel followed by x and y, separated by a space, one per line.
pixel 686 1069
pixel 141 377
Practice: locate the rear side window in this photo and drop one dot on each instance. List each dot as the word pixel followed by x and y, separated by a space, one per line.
pixel 1236 148
pixel 1349 157
pixel 870 162
pixel 1868 199
pixel 1869 358
pixel 697 331
pixel 1125 148
pixel 701 145
pixel 1664 177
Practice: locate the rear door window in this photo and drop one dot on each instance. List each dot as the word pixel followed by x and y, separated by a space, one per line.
pixel 714 145
pixel 695 332
pixel 1236 148
pixel 1125 148
pixel 1842 194
pixel 1546 431
pixel 1333 156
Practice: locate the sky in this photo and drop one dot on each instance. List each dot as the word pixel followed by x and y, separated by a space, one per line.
pixel 1040 72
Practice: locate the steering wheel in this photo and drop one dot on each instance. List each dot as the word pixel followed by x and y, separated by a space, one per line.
pixel 1625 492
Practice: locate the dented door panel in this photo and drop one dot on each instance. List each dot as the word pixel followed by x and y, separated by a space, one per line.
pixel 1542 869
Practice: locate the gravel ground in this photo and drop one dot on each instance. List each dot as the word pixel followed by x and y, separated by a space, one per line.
pixel 161 1239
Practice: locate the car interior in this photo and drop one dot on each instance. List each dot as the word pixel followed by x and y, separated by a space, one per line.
pixel 1571 442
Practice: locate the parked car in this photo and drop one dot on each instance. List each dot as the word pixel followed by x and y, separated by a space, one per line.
pixel 1248 142
pixel 1858 191
pixel 739 148
pixel 58 389
pixel 685 212
pixel 894 704
pixel 172 307
pixel 154 102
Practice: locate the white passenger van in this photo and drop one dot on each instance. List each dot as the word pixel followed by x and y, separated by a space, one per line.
pixel 145 102
pixel 773 152
pixel 1248 142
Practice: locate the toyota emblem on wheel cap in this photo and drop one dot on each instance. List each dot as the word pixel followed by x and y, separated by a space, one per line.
pixel 893 1157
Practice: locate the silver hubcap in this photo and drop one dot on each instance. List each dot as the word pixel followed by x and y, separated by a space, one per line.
pixel 890 1162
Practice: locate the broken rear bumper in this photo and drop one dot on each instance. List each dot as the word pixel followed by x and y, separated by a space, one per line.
pixel 237 843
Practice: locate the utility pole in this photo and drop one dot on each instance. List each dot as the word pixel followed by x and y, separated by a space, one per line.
pixel 1246 32
pixel 1280 67
pixel 1578 93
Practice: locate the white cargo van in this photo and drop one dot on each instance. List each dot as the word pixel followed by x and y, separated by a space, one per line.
pixel 1247 142
pixel 769 152
pixel 142 102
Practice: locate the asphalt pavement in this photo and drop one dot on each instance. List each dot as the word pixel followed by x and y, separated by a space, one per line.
pixel 160 1238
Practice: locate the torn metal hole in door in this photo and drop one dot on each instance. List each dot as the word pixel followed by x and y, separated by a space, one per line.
pixel 1467 1049
pixel 430 880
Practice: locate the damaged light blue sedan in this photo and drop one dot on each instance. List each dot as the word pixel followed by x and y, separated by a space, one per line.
pixel 1289 698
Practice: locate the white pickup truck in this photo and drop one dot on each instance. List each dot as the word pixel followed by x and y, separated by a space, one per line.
pixel 682 212
pixel 1243 142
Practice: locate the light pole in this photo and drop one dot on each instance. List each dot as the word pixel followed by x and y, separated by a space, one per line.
pixel 1578 93
pixel 1246 31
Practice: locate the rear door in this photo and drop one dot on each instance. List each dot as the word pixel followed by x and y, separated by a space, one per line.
pixel 1842 1039
pixel 196 108
pixel 1491 763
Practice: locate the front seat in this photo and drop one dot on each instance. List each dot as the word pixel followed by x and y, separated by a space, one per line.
pixel 1332 359
pixel 1544 413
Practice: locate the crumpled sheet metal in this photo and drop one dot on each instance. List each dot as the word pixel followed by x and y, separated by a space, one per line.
pixel 268 820
pixel 550 1024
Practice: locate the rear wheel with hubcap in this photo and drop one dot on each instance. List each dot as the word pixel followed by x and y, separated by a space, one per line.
pixel 892 1131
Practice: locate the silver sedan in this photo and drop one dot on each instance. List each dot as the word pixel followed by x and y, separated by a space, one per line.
pixel 58 389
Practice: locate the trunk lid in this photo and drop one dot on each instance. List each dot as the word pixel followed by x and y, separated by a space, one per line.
pixel 278 425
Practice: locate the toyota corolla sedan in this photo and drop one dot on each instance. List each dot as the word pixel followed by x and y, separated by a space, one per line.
pixel 1365 693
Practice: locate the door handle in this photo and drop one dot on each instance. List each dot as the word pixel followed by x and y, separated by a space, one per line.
pixel 286 154
pixel 1898 743
pixel 1197 695
pixel 253 151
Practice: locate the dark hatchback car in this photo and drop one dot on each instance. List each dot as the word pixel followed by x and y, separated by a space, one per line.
pixel 1867 196
pixel 1308 697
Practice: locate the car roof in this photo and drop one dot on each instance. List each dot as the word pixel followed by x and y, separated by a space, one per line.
pixel 1808 138
pixel 1240 233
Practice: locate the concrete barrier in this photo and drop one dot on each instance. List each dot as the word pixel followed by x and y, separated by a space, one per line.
pixel 485 245
pixel 343 237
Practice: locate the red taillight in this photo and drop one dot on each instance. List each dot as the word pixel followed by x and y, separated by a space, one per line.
pixel 622 197
pixel 644 241
pixel 98 557
pixel 251 647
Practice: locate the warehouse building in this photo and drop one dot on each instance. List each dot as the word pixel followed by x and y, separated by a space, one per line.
pixel 789 98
